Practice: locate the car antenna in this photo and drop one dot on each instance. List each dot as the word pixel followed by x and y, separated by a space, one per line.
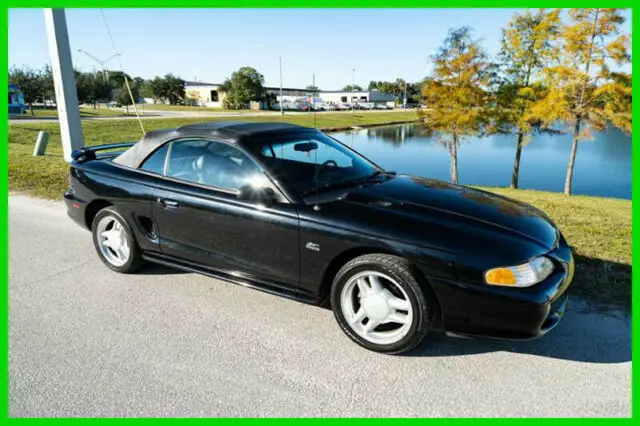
pixel 316 207
pixel 313 102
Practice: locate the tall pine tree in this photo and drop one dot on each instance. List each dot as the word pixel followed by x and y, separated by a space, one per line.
pixel 583 92
pixel 455 92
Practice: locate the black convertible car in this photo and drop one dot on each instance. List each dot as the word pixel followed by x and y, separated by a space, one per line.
pixel 291 211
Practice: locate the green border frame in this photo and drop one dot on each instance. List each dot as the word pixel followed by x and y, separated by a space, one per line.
pixel 4 237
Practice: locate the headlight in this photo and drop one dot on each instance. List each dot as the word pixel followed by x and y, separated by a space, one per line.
pixel 524 275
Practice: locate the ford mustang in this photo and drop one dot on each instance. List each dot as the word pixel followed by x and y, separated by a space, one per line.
pixel 291 211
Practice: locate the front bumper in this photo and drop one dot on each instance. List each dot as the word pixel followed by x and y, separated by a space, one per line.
pixel 507 313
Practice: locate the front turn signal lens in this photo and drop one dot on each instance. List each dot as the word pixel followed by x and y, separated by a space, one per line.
pixel 501 276
pixel 525 275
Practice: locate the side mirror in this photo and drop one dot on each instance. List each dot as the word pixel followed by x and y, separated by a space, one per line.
pixel 260 195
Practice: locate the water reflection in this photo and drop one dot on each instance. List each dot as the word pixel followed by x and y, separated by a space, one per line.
pixel 396 135
pixel 603 164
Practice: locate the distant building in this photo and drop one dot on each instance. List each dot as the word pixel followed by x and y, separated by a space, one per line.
pixel 338 97
pixel 211 95
pixel 203 94
pixel 16 100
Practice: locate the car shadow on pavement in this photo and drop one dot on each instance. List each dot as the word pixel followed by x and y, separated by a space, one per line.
pixel 580 336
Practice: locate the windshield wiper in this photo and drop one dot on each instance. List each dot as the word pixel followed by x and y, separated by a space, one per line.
pixel 345 184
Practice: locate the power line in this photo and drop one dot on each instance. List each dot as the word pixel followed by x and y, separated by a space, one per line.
pixel 126 80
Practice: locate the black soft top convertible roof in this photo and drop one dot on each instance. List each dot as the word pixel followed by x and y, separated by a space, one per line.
pixel 228 131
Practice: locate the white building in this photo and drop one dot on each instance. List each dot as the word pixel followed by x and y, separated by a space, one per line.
pixel 210 95
pixel 338 97
pixel 203 94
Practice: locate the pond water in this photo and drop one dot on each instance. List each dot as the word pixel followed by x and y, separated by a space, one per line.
pixel 602 167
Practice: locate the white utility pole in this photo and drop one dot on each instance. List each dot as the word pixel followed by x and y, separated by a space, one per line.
pixel 353 89
pixel 405 96
pixel 281 99
pixel 64 81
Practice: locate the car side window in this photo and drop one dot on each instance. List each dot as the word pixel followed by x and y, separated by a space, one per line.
pixel 155 162
pixel 210 163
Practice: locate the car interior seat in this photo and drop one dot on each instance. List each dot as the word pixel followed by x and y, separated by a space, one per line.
pixel 220 171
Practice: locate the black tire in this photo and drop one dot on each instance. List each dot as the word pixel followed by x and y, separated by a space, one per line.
pixel 134 261
pixel 403 273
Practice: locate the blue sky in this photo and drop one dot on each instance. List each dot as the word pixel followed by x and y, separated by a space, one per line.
pixel 209 44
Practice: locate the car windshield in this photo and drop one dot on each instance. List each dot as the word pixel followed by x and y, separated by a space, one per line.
pixel 312 162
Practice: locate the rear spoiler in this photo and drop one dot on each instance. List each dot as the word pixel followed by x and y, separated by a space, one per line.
pixel 89 152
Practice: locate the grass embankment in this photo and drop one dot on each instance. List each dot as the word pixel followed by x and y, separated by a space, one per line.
pixel 599 229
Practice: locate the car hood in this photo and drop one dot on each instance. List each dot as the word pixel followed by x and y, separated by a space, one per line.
pixel 419 197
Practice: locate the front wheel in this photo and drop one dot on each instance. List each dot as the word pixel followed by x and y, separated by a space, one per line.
pixel 379 303
pixel 114 241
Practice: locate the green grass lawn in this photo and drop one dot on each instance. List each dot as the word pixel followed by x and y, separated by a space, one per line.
pixel 164 107
pixel 599 229
pixel 84 112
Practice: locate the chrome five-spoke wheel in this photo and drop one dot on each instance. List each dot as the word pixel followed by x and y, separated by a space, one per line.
pixel 380 303
pixel 112 240
pixel 376 307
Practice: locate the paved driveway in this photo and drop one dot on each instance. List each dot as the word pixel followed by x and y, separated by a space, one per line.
pixel 85 341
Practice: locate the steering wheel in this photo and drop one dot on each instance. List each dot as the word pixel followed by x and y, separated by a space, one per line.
pixel 323 166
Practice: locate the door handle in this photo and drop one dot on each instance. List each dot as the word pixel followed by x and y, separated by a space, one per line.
pixel 169 204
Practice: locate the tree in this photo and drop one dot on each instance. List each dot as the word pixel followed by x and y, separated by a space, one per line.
pixel 175 88
pixel 144 87
pixel 92 89
pixel 527 47
pixel 374 85
pixel 47 87
pixel 30 83
pixel 244 86
pixel 158 87
pixel 124 98
pixel 455 92
pixel 397 89
pixel 350 88
pixel 116 78
pixel 583 92
pixel 168 88
pixel 413 92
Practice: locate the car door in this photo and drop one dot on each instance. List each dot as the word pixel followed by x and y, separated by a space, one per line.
pixel 200 218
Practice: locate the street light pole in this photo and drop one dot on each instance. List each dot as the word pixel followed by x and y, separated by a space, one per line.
pixel 405 96
pixel 281 96
pixel 353 89
pixel 281 99
pixel 105 72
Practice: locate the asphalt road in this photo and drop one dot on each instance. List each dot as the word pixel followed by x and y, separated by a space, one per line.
pixel 85 341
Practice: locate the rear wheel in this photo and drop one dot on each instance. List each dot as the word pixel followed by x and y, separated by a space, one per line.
pixel 114 241
pixel 379 303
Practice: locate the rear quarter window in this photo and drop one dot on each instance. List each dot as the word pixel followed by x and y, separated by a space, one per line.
pixel 155 162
